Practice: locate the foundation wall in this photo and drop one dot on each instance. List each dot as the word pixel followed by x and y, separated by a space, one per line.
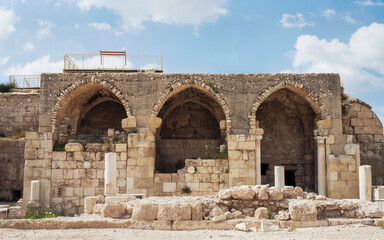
pixel 12 169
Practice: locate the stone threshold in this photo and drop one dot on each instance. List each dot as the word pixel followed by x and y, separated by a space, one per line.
pixel 84 222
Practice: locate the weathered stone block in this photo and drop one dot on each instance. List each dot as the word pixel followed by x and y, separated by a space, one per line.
pixel 59 156
pixel 121 147
pixel 145 212
pixel 172 212
pixel 304 210
pixel 169 187
pixel 30 154
pixel 114 210
pixel 261 213
pixel 89 204
pixel 128 123
pixel 73 147
pixel 243 193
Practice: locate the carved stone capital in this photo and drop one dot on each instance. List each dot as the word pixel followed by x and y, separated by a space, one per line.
pixel 257 131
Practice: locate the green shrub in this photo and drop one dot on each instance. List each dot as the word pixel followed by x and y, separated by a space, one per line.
pixel 6 87
pixel 107 145
pixel 42 213
pixel 271 215
pixel 186 189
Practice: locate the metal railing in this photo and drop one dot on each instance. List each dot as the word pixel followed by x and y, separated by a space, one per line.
pixel 25 81
pixel 112 62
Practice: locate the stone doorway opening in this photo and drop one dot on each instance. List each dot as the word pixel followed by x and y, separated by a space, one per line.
pixel 288 121
pixel 190 129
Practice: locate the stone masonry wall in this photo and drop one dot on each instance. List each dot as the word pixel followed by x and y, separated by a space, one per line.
pixel 18 112
pixel 77 173
pixel 204 176
pixel 12 168
pixel 367 130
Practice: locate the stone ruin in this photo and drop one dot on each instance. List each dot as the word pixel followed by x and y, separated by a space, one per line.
pixel 196 134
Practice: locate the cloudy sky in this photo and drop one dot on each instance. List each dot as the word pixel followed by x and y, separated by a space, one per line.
pixel 214 36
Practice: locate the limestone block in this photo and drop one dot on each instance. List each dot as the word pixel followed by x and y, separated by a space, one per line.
pixel 243 193
pixel 269 226
pixel 31 135
pixel 275 194
pixel 216 211
pixel 263 194
pixel 59 156
pixel 242 227
pixel 30 154
pixel 261 213
pixel 247 146
pixel 371 209
pixel 282 216
pixel 121 147
pixel 16 212
pixel 223 124
pixel 47 145
pixel 235 155
pixel 129 122
pixel 89 204
pixel 145 212
pixel 173 211
pixel 119 198
pixel 298 192
pixel 225 194
pixel 169 187
pixel 303 210
pixel 330 140
pixel 98 208
pixel 154 122
pixel 197 211
pixel 324 124
pixel 114 210
pixel 378 193
pixel 73 147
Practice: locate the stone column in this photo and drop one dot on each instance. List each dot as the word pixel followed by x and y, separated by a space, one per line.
pixel 258 132
pixel 110 174
pixel 321 166
pixel 365 182
pixel 279 177
pixel 35 191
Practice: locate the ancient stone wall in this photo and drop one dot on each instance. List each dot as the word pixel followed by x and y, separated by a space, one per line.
pixel 18 112
pixel 12 169
pixel 77 173
pixel 202 176
pixel 361 122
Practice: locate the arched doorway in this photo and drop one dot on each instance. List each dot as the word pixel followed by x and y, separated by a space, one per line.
pixel 190 129
pixel 288 121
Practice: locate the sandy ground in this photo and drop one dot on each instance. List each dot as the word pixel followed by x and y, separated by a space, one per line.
pixel 349 232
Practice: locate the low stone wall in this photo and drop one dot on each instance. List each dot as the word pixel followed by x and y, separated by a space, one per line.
pixel 202 176
pixel 18 112
pixel 77 173
pixel 12 168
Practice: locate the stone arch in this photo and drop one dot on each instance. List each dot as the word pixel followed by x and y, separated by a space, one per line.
pixel 191 114
pixel 180 86
pixel 71 92
pixel 311 97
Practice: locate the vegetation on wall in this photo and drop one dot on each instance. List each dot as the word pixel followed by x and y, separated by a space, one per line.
pixel 6 87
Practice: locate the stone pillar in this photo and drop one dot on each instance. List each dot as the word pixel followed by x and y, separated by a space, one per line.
pixel 321 166
pixel 258 132
pixel 365 182
pixel 279 177
pixel 35 192
pixel 110 174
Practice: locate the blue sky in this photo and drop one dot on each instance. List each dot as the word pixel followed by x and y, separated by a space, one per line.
pixel 214 36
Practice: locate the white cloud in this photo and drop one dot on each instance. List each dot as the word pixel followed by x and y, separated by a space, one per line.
pixel 329 14
pixel 41 65
pixel 348 19
pixel 298 20
pixel 45 29
pixel 4 60
pixel 135 13
pixel 101 26
pixel 370 3
pixel 7 22
pixel 28 46
pixel 76 26
pixel 359 62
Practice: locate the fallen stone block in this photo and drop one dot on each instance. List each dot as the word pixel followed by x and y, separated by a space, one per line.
pixel 263 194
pixel 261 213
pixel 269 226
pixel 114 210
pixel 242 227
pixel 243 193
pixel 225 194
pixel 302 210
pixel 16 212
pixel 216 211
pixel 197 211
pixel 275 194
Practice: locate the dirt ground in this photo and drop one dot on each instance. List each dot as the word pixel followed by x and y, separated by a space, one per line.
pixel 349 232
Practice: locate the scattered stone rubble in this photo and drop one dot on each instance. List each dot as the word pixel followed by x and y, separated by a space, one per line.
pixel 269 207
